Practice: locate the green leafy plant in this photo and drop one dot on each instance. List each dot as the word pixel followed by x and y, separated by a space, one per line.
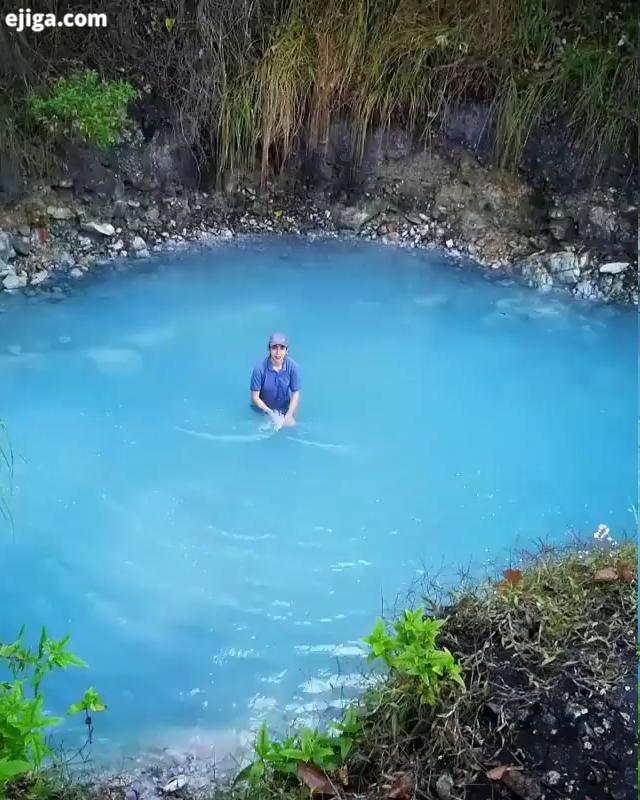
pixel 411 652
pixel 325 751
pixel 84 107
pixel 22 719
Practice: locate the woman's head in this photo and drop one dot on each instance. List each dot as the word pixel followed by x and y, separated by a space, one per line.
pixel 278 346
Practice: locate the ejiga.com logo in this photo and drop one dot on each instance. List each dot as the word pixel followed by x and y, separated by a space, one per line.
pixel 25 19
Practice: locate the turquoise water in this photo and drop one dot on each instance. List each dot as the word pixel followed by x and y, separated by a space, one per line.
pixel 212 575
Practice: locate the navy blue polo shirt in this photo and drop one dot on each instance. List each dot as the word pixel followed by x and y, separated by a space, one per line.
pixel 276 386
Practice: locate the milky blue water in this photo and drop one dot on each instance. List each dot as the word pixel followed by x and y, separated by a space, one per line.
pixel 211 574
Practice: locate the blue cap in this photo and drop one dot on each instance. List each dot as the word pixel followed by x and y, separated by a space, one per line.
pixel 278 338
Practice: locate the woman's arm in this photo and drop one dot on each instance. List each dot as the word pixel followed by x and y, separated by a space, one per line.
pixel 258 403
pixel 294 402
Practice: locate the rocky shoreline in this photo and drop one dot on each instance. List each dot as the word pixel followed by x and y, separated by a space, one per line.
pixel 580 243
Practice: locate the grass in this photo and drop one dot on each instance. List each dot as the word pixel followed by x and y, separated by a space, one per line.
pixel 251 77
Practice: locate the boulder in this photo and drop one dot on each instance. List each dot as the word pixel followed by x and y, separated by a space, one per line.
pixel 13 281
pixel 6 247
pixel 39 276
pixel 103 228
pixel 614 267
pixel 22 245
pixel 61 213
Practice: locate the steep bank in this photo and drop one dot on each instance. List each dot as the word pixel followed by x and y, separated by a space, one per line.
pixel 144 196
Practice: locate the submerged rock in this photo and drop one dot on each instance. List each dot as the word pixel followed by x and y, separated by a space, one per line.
pixel 175 784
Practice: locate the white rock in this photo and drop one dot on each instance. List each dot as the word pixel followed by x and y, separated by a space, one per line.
pixel 138 244
pixel 144 253
pixel 449 243
pixel 175 784
pixel 76 273
pixel 13 281
pixel 226 233
pixel 614 267
pixel 60 212
pixel 39 276
pixel 116 245
pixel 103 228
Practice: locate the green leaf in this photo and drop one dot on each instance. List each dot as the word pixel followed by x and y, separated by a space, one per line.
pixel 9 769
pixel 169 23
pixel 262 741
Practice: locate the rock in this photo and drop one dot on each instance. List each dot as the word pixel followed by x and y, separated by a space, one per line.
pixel 144 253
pixel 76 273
pixel 5 269
pixel 61 213
pixel 67 261
pixel 138 244
pixel 22 245
pixel 103 228
pixel 525 786
pixel 13 281
pixel 152 215
pixel 563 229
pixel 444 786
pixel 391 238
pixel 353 217
pixel 614 267
pixel 38 277
pixel 552 778
pixel 175 784
pixel 449 243
pixel 226 233
pixel 573 711
pixel 6 247
pixel 586 290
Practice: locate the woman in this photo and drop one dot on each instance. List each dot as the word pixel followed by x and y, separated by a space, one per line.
pixel 275 382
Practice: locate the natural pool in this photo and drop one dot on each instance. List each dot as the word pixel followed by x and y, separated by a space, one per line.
pixel 212 575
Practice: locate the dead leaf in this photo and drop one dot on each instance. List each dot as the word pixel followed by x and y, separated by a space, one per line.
pixel 624 571
pixel 513 576
pixel 316 780
pixel 342 775
pixel 497 773
pixel 402 789
pixel 606 575
pixel 42 235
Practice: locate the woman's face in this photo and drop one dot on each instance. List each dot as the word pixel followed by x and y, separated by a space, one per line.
pixel 278 352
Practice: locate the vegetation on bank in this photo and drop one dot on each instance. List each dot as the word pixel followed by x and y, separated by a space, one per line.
pixel 461 671
pixel 244 80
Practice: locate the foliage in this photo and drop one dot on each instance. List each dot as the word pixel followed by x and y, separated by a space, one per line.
pixel 22 718
pixel 412 652
pixel 84 107
pixel 280 760
pixel 253 78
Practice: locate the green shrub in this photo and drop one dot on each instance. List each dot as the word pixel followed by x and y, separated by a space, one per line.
pixel 279 760
pixel 22 719
pixel 85 108
pixel 412 652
